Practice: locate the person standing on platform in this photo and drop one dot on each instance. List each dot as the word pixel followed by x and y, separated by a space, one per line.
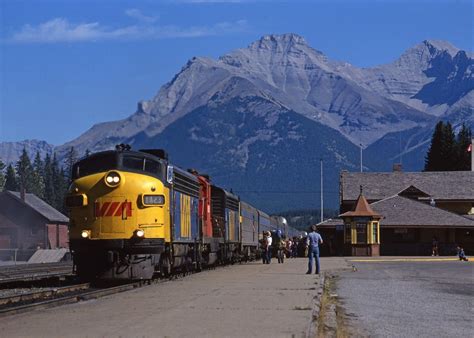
pixel 434 247
pixel 314 240
pixel 269 247
pixel 263 241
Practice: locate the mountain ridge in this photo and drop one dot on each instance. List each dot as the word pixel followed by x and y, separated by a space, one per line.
pixel 389 109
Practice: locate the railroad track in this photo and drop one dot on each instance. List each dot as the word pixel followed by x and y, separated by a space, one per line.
pixel 31 272
pixel 54 297
pixel 58 296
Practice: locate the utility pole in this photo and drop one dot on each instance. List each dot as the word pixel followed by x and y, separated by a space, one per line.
pixel 361 157
pixel 472 154
pixel 322 200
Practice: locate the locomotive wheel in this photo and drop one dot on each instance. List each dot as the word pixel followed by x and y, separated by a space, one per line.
pixel 165 267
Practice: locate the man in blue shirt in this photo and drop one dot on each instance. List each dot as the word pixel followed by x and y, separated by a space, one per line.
pixel 314 239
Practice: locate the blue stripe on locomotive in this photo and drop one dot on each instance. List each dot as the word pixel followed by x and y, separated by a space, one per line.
pixel 186 227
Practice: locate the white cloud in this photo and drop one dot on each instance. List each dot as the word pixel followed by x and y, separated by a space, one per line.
pixel 61 30
pixel 138 15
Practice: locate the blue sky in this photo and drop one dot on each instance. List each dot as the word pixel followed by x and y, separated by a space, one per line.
pixel 66 65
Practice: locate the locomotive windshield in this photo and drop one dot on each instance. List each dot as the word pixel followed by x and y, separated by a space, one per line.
pixel 94 164
pixel 142 164
pixel 133 162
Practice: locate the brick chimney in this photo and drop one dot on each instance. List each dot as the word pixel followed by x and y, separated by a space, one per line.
pixel 397 168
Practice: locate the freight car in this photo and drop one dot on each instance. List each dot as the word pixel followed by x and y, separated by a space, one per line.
pixel 134 215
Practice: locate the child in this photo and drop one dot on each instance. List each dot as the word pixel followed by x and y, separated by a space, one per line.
pixel 461 254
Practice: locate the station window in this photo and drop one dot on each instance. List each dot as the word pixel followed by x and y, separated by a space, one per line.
pixel 361 229
pixel 348 233
pixel 374 232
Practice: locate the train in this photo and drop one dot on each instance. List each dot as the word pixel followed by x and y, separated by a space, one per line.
pixel 135 215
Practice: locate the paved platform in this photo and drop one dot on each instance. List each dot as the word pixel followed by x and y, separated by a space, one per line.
pixel 410 298
pixel 244 300
pixel 388 259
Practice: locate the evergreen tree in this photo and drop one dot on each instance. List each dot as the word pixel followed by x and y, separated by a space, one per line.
pixel 60 184
pixel 49 192
pixel 56 181
pixel 433 160
pixel 24 171
pixel 71 158
pixel 448 152
pixel 2 174
pixel 463 140
pixel 61 190
pixel 10 179
pixel 448 149
pixel 38 177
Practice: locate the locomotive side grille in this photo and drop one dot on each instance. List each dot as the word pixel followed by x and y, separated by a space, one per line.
pixel 232 203
pixel 185 185
pixel 217 206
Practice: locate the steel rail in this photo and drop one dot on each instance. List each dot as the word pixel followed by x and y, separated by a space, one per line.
pixel 68 299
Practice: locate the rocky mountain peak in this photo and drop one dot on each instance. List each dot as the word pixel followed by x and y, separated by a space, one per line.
pixel 274 42
pixel 437 46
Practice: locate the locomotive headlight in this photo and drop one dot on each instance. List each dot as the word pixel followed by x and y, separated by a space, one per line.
pixel 112 179
pixel 140 233
pixel 86 234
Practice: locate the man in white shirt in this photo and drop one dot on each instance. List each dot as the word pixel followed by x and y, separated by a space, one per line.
pixel 269 247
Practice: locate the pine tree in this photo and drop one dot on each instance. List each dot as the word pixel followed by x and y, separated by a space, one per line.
pixel 24 171
pixel 60 184
pixel 2 174
pixel 38 177
pixel 61 190
pixel 56 181
pixel 433 160
pixel 71 158
pixel 49 192
pixel 463 140
pixel 448 149
pixel 10 179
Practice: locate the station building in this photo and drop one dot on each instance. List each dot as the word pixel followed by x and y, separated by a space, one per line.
pixel 414 208
pixel 28 223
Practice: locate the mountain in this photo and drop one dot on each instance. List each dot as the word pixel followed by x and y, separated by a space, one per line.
pixel 10 151
pixel 263 151
pixel 260 118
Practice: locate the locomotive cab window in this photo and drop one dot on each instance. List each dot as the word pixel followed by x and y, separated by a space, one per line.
pixel 152 167
pixel 133 163
pixel 94 164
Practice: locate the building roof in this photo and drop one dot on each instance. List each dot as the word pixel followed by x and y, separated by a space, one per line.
pixel 330 223
pixel 41 207
pixel 443 185
pixel 362 209
pixel 401 211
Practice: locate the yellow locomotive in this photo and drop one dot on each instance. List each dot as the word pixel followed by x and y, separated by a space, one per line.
pixel 134 215
pixel 127 207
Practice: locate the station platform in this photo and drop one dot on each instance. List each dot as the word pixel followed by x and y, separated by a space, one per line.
pixel 242 300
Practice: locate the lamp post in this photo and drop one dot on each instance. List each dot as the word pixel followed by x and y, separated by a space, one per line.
pixel 360 157
pixel 322 200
